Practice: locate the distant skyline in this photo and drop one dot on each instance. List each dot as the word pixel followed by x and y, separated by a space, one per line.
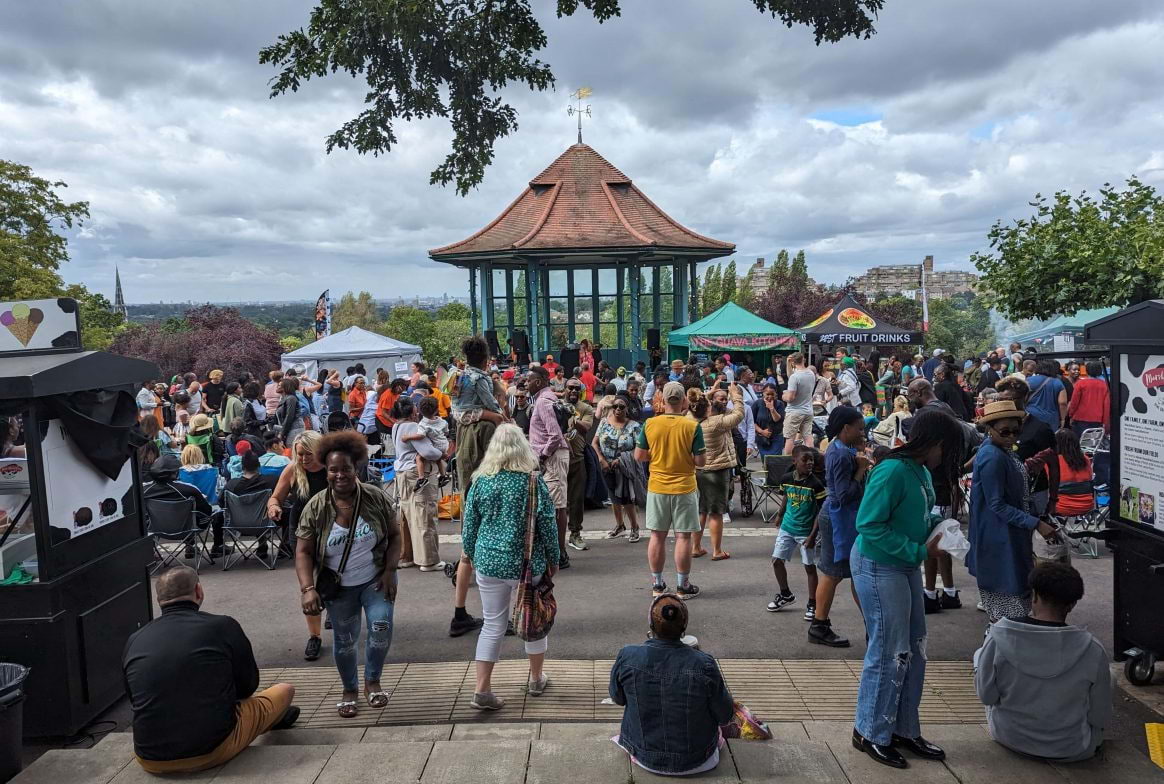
pixel 863 153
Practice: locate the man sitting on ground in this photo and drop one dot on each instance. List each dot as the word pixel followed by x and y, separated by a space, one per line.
pixel 191 678
pixel 1046 685
pixel 675 697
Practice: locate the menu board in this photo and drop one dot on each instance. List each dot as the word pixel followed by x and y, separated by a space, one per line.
pixel 1141 438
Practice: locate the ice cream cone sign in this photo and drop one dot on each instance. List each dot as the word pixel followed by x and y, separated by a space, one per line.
pixel 22 321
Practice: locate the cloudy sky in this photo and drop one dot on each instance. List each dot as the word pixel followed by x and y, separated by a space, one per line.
pixel 862 152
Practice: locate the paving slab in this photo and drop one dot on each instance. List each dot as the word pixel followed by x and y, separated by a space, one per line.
pixel 408 732
pixel 577 761
pixel 580 730
pixel 803 762
pixel 122 741
pixel 66 766
pixel 289 764
pixel 859 768
pixel 788 731
pixel 331 736
pixel 134 774
pixel 1120 763
pixel 986 762
pixel 510 731
pixel 724 773
pixel 476 762
pixel 375 762
pixel 937 733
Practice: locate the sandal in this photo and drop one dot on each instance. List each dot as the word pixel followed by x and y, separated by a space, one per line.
pixel 699 553
pixel 617 532
pixel 722 556
pixel 377 699
pixel 347 709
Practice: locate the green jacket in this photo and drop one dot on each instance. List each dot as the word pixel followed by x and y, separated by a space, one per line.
pixel 895 517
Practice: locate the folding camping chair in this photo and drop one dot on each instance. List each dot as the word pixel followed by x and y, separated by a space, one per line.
pixel 246 515
pixel 204 479
pixel 382 471
pixel 768 498
pixel 176 522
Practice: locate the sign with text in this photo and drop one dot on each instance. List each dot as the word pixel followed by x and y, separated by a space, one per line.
pixel 745 342
pixel 1141 439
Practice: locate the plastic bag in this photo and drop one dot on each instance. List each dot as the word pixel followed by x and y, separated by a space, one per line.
pixel 951 539
pixel 746 726
pixel 449 507
pixel 1056 549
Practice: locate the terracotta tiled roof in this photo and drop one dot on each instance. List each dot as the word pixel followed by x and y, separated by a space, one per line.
pixel 581 201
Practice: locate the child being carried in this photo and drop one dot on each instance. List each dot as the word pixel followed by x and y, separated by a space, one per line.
pixel 436 430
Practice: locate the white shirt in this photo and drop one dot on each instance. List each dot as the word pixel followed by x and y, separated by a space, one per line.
pixel 361 567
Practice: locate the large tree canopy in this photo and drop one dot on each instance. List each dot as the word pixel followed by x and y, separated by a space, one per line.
pixel 451 58
pixel 1077 253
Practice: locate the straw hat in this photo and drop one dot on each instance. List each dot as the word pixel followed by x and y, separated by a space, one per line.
pixel 198 423
pixel 1000 409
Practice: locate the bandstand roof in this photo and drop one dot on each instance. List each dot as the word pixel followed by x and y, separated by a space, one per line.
pixel 581 206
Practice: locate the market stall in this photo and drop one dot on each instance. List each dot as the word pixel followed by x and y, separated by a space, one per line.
pixel 73 553
pixel 1136 524
pixel 349 346
pixel 848 324
pixel 1063 333
pixel 730 329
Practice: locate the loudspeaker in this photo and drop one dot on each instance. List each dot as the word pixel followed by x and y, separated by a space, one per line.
pixel 568 358
pixel 491 339
pixel 653 343
pixel 521 346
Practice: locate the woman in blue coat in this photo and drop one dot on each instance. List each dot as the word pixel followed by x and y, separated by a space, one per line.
pixel 1001 556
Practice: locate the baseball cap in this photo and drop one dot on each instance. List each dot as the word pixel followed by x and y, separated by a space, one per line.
pixel 673 391
pixel 938 352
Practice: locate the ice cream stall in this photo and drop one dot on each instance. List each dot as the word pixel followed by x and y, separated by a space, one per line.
pixel 74 559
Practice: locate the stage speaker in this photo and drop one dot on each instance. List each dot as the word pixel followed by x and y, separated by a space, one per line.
pixel 568 358
pixel 653 342
pixel 491 339
pixel 521 346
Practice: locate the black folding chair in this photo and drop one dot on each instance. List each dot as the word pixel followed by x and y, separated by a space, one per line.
pixel 246 516
pixel 769 500
pixel 176 522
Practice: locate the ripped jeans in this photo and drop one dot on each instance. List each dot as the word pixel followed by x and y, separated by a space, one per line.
pixel 344 611
pixel 895 661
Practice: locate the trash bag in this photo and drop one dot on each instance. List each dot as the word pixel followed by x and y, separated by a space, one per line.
pixel 951 539
pixel 449 507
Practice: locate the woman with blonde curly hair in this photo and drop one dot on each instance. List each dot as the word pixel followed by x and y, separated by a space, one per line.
pixel 494 534
pixel 300 481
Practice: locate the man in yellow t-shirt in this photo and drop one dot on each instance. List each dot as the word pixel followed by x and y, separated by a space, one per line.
pixel 673 445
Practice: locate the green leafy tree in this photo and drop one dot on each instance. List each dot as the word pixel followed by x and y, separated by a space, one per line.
pixel 356 310
pixel 745 293
pixel 712 290
pixel 961 326
pixel 728 284
pixel 99 324
pixel 453 59
pixel 778 273
pixel 454 311
pixel 1077 252
pixel 798 271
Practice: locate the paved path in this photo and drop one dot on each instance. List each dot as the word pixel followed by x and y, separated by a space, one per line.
pixel 810 752
pixel 775 690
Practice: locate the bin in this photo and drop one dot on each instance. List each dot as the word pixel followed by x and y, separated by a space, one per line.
pixel 11 719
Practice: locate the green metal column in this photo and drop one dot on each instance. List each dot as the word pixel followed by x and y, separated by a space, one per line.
pixel 532 307
pixel 693 276
pixel 682 300
pixel 636 346
pixel 473 299
pixel 487 297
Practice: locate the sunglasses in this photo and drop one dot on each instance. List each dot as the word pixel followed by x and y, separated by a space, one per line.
pixel 1007 432
pixel 619 408
pixel 574 387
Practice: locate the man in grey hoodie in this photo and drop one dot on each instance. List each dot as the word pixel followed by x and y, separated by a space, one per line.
pixel 1045 684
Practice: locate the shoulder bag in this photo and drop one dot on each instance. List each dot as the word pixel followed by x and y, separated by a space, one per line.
pixel 327 581
pixel 535 606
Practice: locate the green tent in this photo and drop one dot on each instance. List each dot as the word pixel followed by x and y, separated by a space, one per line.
pixel 1061 325
pixel 732 330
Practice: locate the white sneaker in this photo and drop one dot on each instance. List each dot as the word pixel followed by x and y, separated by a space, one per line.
pixel 727 518
pixel 439 566
pixel 538 688
pixel 981 608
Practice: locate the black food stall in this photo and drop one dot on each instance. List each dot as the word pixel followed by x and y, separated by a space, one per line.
pixel 74 580
pixel 1136 524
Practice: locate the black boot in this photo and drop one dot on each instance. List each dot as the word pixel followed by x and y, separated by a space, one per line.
pixel 821 633
pixel 919 746
pixel 886 755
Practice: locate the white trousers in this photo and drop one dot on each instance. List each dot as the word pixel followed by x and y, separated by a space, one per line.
pixel 496 601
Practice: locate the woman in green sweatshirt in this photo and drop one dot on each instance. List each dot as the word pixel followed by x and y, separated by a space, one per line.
pixel 893 524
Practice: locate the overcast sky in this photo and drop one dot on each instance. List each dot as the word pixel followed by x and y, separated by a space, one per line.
pixel 862 152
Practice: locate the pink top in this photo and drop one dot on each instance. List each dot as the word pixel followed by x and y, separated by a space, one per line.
pixel 545 434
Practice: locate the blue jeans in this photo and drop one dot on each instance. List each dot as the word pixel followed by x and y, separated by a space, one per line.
pixel 895 662
pixel 344 611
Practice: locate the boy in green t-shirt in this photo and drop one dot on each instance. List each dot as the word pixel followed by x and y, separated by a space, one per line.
pixel 803 495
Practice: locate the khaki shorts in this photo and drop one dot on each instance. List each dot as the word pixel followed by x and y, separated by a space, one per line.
pixel 678 513
pixel 798 424
pixel 252 717
pixel 556 472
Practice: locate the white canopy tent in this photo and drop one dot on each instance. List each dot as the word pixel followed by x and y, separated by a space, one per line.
pixel 352 345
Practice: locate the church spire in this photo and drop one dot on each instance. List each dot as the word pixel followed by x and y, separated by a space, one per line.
pixel 118 297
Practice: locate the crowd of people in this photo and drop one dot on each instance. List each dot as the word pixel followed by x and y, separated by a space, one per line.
pixel 881 450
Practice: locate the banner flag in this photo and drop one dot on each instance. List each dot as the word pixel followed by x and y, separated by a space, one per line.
pixel 323 315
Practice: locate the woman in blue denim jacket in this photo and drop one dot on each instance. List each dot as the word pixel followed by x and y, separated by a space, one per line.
pixel 675 697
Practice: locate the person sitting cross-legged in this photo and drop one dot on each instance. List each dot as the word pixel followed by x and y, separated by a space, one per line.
pixel 675 697
pixel 191 678
pixel 1045 684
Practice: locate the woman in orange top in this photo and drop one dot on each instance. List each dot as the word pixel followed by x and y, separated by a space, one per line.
pixel 356 399
pixel 444 402
pixel 387 399
pixel 1076 495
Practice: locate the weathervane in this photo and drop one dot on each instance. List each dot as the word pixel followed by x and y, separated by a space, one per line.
pixel 578 95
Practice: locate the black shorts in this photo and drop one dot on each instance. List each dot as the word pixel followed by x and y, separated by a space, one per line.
pixel 838 570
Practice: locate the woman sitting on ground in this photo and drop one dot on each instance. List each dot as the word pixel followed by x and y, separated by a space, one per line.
pixel 675 697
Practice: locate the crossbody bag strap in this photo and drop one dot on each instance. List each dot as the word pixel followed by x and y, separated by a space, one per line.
pixel 343 564
pixel 531 511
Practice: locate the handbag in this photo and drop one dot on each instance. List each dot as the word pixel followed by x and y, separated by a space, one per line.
pixel 535 606
pixel 327 581
pixel 745 725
